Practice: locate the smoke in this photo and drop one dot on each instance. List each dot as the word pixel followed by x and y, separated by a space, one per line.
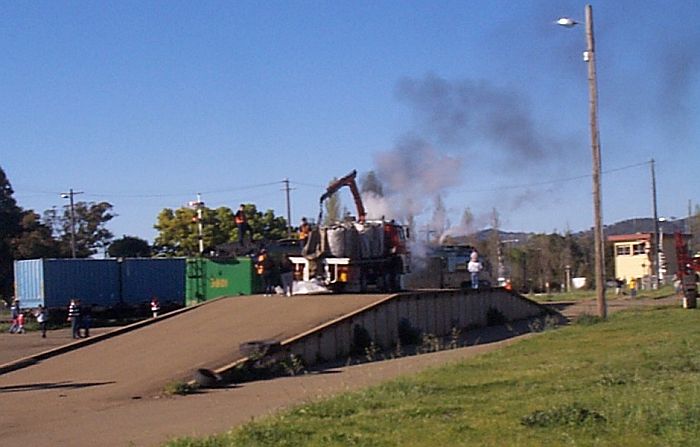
pixel 413 172
pixel 457 123
pixel 680 71
pixel 474 114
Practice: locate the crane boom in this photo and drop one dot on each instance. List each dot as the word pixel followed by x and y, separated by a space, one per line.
pixel 349 181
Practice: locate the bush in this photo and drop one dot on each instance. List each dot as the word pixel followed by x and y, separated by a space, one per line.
pixel 361 340
pixel 408 335
pixel 495 317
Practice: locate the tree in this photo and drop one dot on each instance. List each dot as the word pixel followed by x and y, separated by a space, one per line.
pixel 10 226
pixel 91 231
pixel 36 240
pixel 178 232
pixel 129 247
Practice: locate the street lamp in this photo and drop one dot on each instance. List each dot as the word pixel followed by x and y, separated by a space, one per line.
pixel 69 195
pixel 589 58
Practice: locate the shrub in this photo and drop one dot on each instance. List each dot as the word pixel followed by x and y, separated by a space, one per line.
pixel 408 335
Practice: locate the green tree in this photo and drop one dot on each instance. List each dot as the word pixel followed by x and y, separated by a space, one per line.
pixel 10 227
pixel 36 240
pixel 178 231
pixel 129 247
pixel 91 231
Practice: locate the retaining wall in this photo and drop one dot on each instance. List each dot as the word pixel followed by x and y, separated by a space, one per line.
pixel 431 312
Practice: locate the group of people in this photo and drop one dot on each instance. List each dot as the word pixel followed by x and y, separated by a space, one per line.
pixel 267 269
pixel 19 318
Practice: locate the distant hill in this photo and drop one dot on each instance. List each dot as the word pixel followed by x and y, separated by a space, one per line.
pixel 644 225
pixel 629 226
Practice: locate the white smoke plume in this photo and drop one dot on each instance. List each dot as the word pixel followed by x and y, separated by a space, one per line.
pixel 414 172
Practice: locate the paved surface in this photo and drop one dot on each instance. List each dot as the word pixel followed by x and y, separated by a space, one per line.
pixel 17 346
pixel 109 391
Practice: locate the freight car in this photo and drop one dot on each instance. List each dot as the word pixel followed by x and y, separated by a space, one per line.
pixel 99 283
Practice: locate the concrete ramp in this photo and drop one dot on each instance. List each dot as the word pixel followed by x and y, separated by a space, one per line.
pixel 141 362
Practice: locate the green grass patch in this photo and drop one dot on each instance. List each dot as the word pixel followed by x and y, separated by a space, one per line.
pixel 633 379
pixel 586 295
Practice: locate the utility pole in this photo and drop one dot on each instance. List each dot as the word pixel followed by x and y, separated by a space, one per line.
pixel 287 189
pixel 198 205
pixel 599 241
pixel 69 195
pixel 200 230
pixel 655 264
pixel 589 57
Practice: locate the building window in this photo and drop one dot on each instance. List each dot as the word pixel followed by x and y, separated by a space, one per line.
pixel 638 249
pixel 622 250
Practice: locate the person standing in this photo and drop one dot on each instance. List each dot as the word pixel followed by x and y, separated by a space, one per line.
pixel 20 323
pixel 241 223
pixel 474 267
pixel 287 275
pixel 86 319
pixel 263 267
pixel 14 312
pixel 155 306
pixel 42 317
pixel 74 317
pixel 304 231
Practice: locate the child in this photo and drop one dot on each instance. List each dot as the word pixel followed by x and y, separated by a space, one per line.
pixel 20 323
pixel 42 318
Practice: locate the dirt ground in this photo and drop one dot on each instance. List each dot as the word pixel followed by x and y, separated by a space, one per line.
pixel 111 390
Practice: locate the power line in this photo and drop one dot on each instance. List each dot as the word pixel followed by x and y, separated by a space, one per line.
pixel 550 182
pixel 311 185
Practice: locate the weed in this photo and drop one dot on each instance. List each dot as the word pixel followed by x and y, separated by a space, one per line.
pixel 430 343
pixel 455 335
pixel 573 414
pixel 588 320
pixel 612 380
pixel 540 325
pixel 398 350
pixel 293 365
pixel 179 388
pixel 371 352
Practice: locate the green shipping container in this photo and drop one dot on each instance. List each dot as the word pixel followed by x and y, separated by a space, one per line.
pixel 207 279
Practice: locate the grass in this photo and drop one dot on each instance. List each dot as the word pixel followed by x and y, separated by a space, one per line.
pixel 584 295
pixel 631 380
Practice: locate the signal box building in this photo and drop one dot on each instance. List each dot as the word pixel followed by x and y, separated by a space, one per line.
pixel 633 255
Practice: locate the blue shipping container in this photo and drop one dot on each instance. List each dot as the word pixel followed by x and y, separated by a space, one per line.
pixel 53 282
pixel 142 279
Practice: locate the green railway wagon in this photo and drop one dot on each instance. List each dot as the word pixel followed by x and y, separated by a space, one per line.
pixel 207 279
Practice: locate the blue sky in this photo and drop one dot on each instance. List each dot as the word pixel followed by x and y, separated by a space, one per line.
pixel 144 104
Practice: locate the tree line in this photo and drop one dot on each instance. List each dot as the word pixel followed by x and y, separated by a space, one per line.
pixel 539 262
